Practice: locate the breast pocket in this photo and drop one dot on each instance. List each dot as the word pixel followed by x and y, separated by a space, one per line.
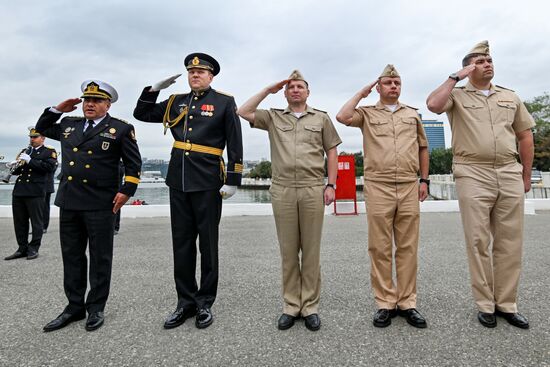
pixel 380 127
pixel 507 110
pixel 408 126
pixel 284 132
pixel 312 134
pixel 474 111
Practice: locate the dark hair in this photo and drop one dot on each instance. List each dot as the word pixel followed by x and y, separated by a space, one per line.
pixel 466 60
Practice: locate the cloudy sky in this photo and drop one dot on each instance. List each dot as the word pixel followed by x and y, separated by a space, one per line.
pixel 48 48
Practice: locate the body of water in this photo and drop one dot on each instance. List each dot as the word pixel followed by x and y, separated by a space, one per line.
pixel 158 194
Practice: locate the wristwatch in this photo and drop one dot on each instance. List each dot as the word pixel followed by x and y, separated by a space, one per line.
pixel 331 185
pixel 455 77
pixel 425 180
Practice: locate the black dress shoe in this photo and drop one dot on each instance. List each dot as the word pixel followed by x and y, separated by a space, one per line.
pixel 383 316
pixel 179 316
pixel 32 255
pixel 16 255
pixel 313 322
pixel 487 319
pixel 63 320
pixel 413 317
pixel 514 318
pixel 286 321
pixel 204 318
pixel 95 321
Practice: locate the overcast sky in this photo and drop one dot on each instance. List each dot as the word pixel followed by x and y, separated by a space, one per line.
pixel 48 48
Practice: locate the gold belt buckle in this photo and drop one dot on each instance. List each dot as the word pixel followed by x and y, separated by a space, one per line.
pixel 187 146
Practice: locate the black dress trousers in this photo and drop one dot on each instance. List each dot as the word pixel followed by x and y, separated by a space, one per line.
pixel 195 214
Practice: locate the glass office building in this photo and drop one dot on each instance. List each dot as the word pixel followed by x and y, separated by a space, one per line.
pixel 434 133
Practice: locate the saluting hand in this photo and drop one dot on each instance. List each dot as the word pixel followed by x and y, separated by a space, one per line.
pixel 274 88
pixel 366 90
pixel 119 200
pixel 68 105
pixel 164 83
pixel 466 71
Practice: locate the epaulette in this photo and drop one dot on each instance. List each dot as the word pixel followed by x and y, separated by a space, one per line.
pixel 119 119
pixel 224 93
pixel 461 87
pixel 49 147
pixel 369 106
pixel 277 109
pixel 319 110
pixel 406 105
pixel 504 88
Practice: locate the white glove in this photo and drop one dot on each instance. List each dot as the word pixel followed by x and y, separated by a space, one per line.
pixel 25 157
pixel 227 191
pixel 164 83
pixel 11 164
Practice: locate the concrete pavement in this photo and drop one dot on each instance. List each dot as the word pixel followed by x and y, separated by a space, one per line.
pixel 244 332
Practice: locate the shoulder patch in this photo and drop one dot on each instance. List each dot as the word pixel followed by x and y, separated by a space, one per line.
pixel 224 93
pixel 498 86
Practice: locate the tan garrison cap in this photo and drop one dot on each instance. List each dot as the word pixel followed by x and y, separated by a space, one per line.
pixel 390 71
pixel 296 75
pixel 480 48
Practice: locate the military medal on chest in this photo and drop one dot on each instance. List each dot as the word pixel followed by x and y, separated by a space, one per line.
pixel 207 110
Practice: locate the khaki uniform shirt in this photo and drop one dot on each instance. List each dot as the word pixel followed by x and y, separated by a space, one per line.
pixel 391 141
pixel 484 128
pixel 298 145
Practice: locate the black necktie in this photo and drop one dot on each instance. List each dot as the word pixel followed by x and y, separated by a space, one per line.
pixel 89 127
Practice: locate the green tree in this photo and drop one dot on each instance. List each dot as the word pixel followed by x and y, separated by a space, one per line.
pixel 539 107
pixel 262 170
pixel 441 161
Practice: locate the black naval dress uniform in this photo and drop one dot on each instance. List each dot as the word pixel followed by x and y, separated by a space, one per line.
pixel 89 182
pixel 207 123
pixel 28 198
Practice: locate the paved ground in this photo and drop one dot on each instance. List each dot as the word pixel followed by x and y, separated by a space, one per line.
pixel 244 332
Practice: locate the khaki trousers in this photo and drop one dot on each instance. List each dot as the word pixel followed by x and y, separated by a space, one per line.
pixel 299 214
pixel 491 201
pixel 393 216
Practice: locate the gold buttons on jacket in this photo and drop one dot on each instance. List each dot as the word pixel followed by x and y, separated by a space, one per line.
pixel 85 181
pixel 71 163
pixel 70 178
pixel 190 117
pixel 90 152
pixel 87 166
pixel 75 149
pixel 190 129
pixel 186 153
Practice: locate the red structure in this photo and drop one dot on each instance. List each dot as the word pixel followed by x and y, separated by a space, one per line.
pixel 345 183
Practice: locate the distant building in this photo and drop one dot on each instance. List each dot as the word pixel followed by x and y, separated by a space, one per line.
pixel 435 134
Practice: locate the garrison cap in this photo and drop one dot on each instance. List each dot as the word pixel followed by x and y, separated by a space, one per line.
pixel 480 48
pixel 296 75
pixel 199 60
pixel 33 133
pixel 94 88
pixel 389 71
